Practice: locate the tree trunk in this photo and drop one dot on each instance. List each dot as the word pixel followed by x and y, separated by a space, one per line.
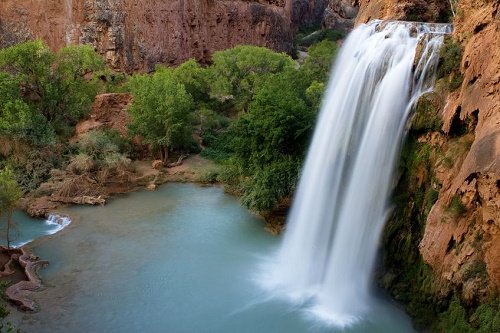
pixel 164 154
pixel 9 217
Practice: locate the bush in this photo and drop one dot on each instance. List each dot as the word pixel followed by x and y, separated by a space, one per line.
pixel 454 320
pixel 97 145
pixel 456 206
pixel 426 117
pixel 449 63
pixel 81 163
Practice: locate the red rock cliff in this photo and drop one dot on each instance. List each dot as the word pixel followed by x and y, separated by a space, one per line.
pixel 136 35
pixel 411 10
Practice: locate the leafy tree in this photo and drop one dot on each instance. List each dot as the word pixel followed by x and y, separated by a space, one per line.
pixel 237 72
pixel 53 85
pixel 69 92
pixel 161 111
pixel 317 65
pixel 10 194
pixel 194 79
pixel 268 143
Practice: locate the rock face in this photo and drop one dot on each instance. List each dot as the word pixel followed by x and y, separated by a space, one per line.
pixel 475 181
pixel 341 14
pixel 136 35
pixel 410 10
pixel 108 111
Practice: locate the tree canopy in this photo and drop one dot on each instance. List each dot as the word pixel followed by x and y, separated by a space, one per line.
pixel 162 110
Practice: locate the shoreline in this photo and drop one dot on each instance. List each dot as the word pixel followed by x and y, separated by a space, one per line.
pixel 147 177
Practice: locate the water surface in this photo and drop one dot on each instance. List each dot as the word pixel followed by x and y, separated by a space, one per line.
pixel 181 259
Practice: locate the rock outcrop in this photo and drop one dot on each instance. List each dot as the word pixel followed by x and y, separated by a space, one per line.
pixel 134 35
pixel 410 10
pixel 341 14
pixel 108 111
pixel 19 292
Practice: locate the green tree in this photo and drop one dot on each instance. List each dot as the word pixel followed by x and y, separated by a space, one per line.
pixel 237 72
pixel 269 142
pixel 71 88
pixel 162 111
pixel 57 86
pixel 10 194
pixel 194 78
pixel 320 58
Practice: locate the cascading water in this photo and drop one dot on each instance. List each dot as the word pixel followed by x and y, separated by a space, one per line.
pixel 341 204
pixel 70 26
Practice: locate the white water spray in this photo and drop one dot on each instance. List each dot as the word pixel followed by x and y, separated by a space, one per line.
pixel 341 204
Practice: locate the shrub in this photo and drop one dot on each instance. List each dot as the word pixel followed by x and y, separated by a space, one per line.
pixel 449 63
pixel 456 206
pixel 426 117
pixel 81 163
pixel 454 320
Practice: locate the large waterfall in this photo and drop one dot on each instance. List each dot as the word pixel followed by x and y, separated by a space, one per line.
pixel 342 201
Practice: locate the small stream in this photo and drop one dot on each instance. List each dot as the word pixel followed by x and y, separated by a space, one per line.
pixel 181 259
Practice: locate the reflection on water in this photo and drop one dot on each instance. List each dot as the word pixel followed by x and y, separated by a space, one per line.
pixel 181 259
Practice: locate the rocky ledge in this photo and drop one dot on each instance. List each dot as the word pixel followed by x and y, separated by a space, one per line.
pixel 22 267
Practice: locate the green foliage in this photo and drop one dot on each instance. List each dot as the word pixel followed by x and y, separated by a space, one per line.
pixel 482 319
pixel 456 206
pixel 99 150
pixel 269 184
pixel 194 79
pixel 5 326
pixel 31 61
pixel 317 65
pixel 454 319
pixel 162 111
pixel 412 281
pixel 45 92
pixel 18 120
pixel 10 192
pixel 236 72
pixel 268 143
pixel 449 63
pixel 33 167
pixel 476 269
pixel 486 318
pixel 426 116
pixel 314 94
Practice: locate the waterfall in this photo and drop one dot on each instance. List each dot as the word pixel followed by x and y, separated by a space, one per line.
pixel 70 27
pixel 342 201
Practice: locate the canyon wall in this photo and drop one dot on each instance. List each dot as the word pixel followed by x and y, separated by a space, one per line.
pixel 136 35
pixel 411 10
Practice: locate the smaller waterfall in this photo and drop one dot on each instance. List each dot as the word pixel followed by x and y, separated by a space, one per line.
pixel 57 223
pixel 70 26
pixel 27 229
pixel 329 248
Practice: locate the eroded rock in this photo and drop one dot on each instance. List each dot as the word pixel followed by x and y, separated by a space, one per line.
pixel 134 35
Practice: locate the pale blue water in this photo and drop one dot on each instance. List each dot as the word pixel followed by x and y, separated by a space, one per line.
pixel 181 259
pixel 27 229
